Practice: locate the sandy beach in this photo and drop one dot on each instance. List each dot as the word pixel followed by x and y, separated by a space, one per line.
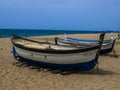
pixel 13 77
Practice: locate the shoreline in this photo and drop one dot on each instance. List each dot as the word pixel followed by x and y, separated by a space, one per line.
pixel 109 33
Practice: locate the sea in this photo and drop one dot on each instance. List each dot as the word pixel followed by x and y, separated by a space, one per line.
pixel 31 32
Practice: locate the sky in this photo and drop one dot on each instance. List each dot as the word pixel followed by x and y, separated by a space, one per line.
pixel 60 14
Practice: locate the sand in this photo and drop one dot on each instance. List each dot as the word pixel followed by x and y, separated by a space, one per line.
pixel 13 77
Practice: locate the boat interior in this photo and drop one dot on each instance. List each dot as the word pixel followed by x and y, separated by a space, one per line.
pixel 44 45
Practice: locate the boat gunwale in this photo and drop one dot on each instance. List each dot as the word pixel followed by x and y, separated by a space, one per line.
pixel 87 40
pixel 82 43
pixel 51 51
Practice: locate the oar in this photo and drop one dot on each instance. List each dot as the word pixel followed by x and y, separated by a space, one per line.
pixel 100 45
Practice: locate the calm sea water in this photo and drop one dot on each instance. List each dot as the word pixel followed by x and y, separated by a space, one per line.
pixel 26 32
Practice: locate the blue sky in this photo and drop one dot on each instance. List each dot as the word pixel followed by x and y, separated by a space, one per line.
pixel 60 14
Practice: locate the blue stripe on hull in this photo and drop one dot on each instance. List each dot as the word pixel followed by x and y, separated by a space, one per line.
pixel 84 40
pixel 105 51
pixel 82 66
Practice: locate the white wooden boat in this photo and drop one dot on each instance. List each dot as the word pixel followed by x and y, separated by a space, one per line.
pixel 87 41
pixel 107 45
pixel 54 56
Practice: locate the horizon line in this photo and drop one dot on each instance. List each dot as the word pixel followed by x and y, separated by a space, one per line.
pixel 53 29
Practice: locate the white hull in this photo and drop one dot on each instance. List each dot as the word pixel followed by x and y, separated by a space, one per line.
pixel 74 58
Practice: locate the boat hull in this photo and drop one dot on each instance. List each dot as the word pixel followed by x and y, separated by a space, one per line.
pixel 82 61
pixel 81 66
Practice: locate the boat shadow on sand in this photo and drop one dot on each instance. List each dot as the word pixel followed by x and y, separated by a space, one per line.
pixel 113 55
pixel 98 72
pixel 95 71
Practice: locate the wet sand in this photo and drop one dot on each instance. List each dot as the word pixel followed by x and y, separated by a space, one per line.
pixel 13 77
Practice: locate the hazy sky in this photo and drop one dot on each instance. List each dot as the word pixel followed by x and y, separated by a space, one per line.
pixel 60 14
